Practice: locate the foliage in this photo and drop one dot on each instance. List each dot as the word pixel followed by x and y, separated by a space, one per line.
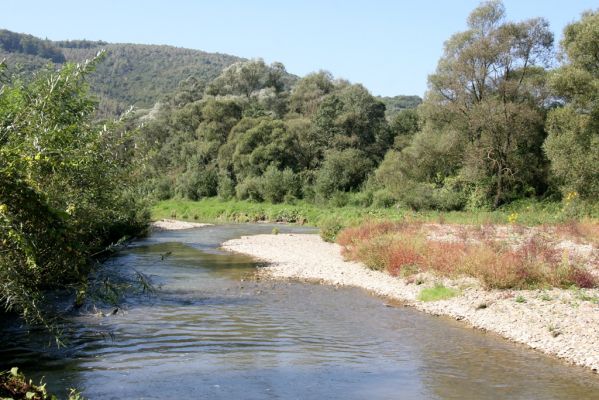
pixel 65 189
pixel 475 143
pixel 488 93
pixel 342 170
pixel 130 75
pixel 573 141
pixel 329 228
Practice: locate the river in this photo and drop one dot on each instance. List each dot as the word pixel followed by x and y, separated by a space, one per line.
pixel 212 331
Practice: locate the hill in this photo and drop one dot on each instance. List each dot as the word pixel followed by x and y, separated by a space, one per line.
pixel 393 105
pixel 134 74
pixel 131 74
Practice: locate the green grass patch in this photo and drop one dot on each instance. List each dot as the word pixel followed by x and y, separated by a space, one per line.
pixel 215 210
pixel 528 213
pixel 332 219
pixel 438 292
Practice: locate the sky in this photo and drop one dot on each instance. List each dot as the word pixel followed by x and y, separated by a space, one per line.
pixel 388 46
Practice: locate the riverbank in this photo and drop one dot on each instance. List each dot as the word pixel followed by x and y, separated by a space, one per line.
pixel 528 213
pixel 559 322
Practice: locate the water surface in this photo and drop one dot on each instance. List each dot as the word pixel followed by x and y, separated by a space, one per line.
pixel 212 331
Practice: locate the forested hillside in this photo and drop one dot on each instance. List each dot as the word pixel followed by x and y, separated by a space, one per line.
pixel 393 105
pixel 130 74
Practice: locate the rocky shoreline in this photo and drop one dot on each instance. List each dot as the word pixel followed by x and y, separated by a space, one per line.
pixel 563 323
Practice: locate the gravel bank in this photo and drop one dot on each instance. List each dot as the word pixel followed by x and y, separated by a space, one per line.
pixel 174 225
pixel 563 323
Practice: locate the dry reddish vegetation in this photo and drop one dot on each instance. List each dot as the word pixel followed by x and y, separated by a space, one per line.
pixel 498 256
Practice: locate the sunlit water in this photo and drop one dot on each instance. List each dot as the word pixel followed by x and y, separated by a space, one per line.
pixel 212 331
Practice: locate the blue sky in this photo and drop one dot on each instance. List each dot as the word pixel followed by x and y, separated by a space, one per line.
pixel 389 46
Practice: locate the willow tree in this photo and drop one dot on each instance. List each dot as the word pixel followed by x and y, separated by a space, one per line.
pixel 66 187
pixel 488 90
pixel 573 141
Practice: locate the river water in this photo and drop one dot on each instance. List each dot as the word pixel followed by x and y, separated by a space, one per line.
pixel 212 331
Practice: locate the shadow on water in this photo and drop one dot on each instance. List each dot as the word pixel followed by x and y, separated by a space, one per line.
pixel 211 331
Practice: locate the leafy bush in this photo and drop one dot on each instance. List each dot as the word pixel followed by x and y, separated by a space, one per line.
pixel 67 187
pixel 343 170
pixel 225 187
pixel 163 189
pixel 329 228
pixel 277 185
pixel 383 198
pixel 198 182
pixel 250 189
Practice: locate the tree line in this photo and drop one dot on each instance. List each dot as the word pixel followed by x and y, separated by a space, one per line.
pixel 498 123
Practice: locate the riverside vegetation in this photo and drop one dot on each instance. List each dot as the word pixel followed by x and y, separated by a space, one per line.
pixel 507 132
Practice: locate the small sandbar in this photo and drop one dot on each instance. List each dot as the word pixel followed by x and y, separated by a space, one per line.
pixel 174 225
pixel 563 323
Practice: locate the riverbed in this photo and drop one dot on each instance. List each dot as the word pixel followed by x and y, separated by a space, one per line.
pixel 212 330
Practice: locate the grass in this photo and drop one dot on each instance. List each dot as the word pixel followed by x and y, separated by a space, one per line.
pixel 401 247
pixel 438 292
pixel 332 219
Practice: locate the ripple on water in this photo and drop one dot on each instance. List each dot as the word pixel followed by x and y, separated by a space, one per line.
pixel 208 334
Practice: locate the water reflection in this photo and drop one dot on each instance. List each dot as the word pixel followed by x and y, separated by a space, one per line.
pixel 210 332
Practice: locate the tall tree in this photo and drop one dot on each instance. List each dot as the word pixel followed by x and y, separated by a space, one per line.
pixel 489 87
pixel 573 141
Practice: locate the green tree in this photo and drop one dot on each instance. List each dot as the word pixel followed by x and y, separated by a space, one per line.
pixel 489 86
pixel 65 186
pixel 351 117
pixel 262 142
pixel 308 92
pixel 403 126
pixel 342 170
pixel 573 141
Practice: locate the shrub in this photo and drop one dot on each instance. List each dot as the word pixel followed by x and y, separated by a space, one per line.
pixel 163 190
pixel 276 185
pixel 360 199
pixel 249 189
pixel 339 199
pixel 383 198
pixel 342 170
pixel 402 248
pixel 225 187
pixel 329 227
pixel 198 182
